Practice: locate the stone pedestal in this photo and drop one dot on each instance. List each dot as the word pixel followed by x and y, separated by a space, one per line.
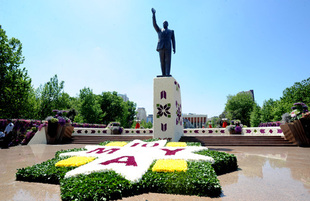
pixel 168 121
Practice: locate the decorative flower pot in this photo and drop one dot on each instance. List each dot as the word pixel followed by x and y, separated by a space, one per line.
pixel 116 130
pixel 234 132
pixel 52 132
pixel 52 129
pixel 66 133
pixel 238 130
pixel 295 132
pixel 306 125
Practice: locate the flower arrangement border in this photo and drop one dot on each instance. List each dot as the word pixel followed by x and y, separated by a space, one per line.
pixel 200 179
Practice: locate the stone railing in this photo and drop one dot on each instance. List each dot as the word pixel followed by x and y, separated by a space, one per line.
pixel 102 131
pixel 198 131
pixel 205 131
pixel 245 131
pixel 138 131
pixel 91 131
pixel 262 131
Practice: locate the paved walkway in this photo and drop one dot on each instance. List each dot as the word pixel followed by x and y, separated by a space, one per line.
pixel 265 173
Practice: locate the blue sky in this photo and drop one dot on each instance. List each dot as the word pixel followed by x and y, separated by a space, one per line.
pixel 222 47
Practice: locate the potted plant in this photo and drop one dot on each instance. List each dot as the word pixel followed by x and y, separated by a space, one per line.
pixel 59 128
pixel 297 125
pixel 235 127
pixel 51 130
pixel 230 129
pixel 238 128
pixel 115 128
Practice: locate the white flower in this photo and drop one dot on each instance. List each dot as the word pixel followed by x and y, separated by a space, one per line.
pixel 134 159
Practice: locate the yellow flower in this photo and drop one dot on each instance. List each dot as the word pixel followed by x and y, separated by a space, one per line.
pixel 74 161
pixel 169 165
pixel 176 144
pixel 116 144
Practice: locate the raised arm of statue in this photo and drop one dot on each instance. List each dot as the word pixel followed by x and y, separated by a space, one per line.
pixel 157 29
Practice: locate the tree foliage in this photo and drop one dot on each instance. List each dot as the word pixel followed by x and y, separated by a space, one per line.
pixel 15 84
pixel 90 106
pixel 299 92
pixel 272 110
pixel 50 97
pixel 111 106
pixel 215 122
pixel 240 107
pixel 19 100
pixel 129 113
pixel 280 107
pixel 267 111
pixel 32 108
pixel 255 115
pixel 115 109
pixel 143 124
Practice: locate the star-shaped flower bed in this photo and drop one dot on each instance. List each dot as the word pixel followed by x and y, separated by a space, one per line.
pixel 120 170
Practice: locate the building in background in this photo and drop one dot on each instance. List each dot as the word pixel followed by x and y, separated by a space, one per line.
pixel 141 114
pixel 149 118
pixel 251 92
pixel 124 96
pixel 195 120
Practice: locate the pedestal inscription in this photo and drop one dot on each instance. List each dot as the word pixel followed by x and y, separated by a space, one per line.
pixel 168 122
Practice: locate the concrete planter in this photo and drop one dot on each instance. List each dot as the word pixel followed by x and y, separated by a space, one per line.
pixel 52 132
pixel 295 132
pixel 116 130
pixel 56 133
pixel 66 132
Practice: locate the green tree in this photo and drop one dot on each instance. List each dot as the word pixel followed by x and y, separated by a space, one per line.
pixel 115 109
pixel 64 101
pixel 112 107
pixel 215 122
pixel 31 109
pixel 129 112
pixel 90 111
pixel 15 85
pixel 71 114
pixel 75 106
pixel 267 111
pixel 143 124
pixel 240 107
pixel 255 115
pixel 299 92
pixel 75 103
pixel 50 97
pixel 281 107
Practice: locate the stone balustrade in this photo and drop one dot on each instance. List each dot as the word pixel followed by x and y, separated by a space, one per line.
pixel 262 131
pixel 91 131
pixel 245 131
pixel 199 131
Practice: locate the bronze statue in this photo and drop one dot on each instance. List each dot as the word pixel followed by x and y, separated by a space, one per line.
pixel 165 37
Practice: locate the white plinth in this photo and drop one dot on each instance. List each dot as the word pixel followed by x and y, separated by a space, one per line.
pixel 167 110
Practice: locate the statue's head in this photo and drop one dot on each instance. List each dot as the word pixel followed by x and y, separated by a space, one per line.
pixel 165 24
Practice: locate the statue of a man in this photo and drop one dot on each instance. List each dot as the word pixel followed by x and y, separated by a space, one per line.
pixel 165 37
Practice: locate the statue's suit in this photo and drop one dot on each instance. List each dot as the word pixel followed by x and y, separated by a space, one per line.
pixel 165 37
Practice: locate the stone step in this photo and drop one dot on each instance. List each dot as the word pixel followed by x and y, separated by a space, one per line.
pixel 85 139
pixel 233 140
